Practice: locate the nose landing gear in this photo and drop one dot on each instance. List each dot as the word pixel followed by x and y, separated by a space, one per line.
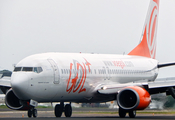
pixel 67 109
pixel 32 112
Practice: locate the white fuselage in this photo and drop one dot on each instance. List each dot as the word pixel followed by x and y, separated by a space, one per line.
pixel 74 77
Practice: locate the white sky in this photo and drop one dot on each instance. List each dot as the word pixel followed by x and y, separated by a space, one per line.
pixel 101 26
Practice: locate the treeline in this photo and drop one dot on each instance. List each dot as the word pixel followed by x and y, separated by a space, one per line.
pixel 6 73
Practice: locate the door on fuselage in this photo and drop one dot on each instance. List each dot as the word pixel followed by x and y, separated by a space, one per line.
pixel 56 72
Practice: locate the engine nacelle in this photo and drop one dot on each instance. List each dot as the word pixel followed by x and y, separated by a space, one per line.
pixel 133 98
pixel 14 103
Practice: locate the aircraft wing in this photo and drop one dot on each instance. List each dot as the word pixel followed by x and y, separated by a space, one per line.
pixel 158 86
pixel 5 84
pixel 115 88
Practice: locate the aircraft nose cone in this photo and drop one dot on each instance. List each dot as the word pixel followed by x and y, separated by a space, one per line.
pixel 19 84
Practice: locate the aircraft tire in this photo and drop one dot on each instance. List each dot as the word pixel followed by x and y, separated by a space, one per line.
pixel 122 113
pixel 132 114
pixel 29 113
pixel 58 110
pixel 35 113
pixel 68 110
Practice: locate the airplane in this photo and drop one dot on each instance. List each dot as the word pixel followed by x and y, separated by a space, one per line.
pixel 89 78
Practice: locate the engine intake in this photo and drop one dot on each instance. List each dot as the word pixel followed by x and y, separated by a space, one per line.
pixel 133 98
pixel 14 103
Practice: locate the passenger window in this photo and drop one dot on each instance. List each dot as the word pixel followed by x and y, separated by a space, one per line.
pixel 94 71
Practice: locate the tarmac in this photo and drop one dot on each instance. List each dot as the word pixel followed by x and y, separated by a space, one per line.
pixel 79 114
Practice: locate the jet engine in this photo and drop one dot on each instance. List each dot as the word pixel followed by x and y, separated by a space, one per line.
pixel 133 98
pixel 14 103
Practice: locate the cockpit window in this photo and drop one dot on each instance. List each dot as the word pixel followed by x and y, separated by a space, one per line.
pixel 40 69
pixel 17 69
pixel 29 69
pixel 37 69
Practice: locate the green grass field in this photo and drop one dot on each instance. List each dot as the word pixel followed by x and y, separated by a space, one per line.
pixel 138 112
pixel 102 110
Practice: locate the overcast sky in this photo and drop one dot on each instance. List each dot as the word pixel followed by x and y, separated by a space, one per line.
pixel 100 26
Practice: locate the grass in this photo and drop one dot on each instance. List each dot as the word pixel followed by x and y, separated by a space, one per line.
pixel 3 106
pixel 170 111
pixel 156 112
pixel 117 112
pixel 44 107
pixel 138 112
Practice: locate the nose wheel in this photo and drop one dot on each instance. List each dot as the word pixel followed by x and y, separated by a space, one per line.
pixel 60 108
pixel 32 112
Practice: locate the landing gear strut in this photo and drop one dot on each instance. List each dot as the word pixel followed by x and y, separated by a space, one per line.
pixel 32 112
pixel 60 108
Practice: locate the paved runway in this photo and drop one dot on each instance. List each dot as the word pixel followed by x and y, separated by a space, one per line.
pixel 49 115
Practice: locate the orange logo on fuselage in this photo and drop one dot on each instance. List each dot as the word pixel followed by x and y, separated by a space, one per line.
pixel 80 72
